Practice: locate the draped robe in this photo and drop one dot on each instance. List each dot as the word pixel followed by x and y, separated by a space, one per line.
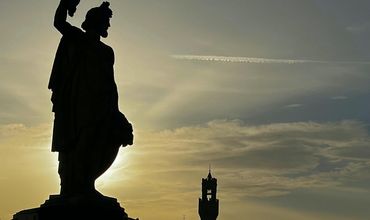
pixel 88 126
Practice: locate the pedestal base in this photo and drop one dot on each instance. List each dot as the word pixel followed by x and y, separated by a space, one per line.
pixel 76 208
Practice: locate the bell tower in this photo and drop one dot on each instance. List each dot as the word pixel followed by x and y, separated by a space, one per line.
pixel 208 203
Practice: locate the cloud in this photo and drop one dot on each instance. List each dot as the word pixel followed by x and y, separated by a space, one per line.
pixel 28 168
pixel 231 59
pixel 252 161
pixel 258 161
pixel 339 97
pixel 25 138
pixel 359 28
pixel 264 161
pixel 293 106
pixel 20 99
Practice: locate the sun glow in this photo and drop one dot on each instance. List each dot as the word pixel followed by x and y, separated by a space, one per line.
pixel 112 175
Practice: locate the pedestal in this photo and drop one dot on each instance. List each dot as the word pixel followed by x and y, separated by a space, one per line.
pixel 76 208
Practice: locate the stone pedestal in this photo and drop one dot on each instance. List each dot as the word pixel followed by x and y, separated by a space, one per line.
pixel 76 208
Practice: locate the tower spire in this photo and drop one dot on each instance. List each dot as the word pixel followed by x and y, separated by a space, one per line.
pixel 209 172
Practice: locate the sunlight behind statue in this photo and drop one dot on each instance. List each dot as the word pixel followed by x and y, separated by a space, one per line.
pixel 88 126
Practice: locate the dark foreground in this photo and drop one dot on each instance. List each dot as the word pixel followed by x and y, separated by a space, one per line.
pixel 73 208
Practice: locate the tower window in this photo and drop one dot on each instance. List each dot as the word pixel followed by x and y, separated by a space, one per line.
pixel 209 194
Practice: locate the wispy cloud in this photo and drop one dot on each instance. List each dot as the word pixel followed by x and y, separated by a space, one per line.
pixel 339 97
pixel 359 28
pixel 231 59
pixel 296 105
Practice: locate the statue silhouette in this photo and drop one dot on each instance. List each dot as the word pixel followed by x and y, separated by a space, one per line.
pixel 88 126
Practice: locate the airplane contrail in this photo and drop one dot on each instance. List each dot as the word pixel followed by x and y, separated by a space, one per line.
pixel 260 60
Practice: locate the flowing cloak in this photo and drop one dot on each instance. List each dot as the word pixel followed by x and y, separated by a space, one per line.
pixel 84 95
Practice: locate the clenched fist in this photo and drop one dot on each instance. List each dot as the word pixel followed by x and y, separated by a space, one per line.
pixel 72 5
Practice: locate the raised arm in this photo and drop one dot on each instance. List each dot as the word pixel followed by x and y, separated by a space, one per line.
pixel 60 18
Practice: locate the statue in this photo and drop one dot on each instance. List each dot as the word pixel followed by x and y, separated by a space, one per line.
pixel 88 126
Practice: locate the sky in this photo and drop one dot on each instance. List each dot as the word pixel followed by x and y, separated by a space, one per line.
pixel 272 93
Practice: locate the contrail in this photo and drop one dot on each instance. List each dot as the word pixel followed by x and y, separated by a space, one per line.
pixel 260 60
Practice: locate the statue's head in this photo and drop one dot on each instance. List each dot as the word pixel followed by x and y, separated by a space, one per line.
pixel 97 20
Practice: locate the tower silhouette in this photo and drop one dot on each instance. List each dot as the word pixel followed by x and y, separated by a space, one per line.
pixel 208 203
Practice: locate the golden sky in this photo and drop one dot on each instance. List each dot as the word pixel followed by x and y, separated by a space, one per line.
pixel 273 93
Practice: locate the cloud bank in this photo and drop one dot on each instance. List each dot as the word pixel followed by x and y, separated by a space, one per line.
pixel 267 160
pixel 251 162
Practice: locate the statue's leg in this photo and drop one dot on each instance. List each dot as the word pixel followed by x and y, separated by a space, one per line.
pixel 82 162
pixel 74 172
pixel 61 172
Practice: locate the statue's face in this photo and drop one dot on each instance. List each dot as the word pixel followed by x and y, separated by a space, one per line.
pixel 103 29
